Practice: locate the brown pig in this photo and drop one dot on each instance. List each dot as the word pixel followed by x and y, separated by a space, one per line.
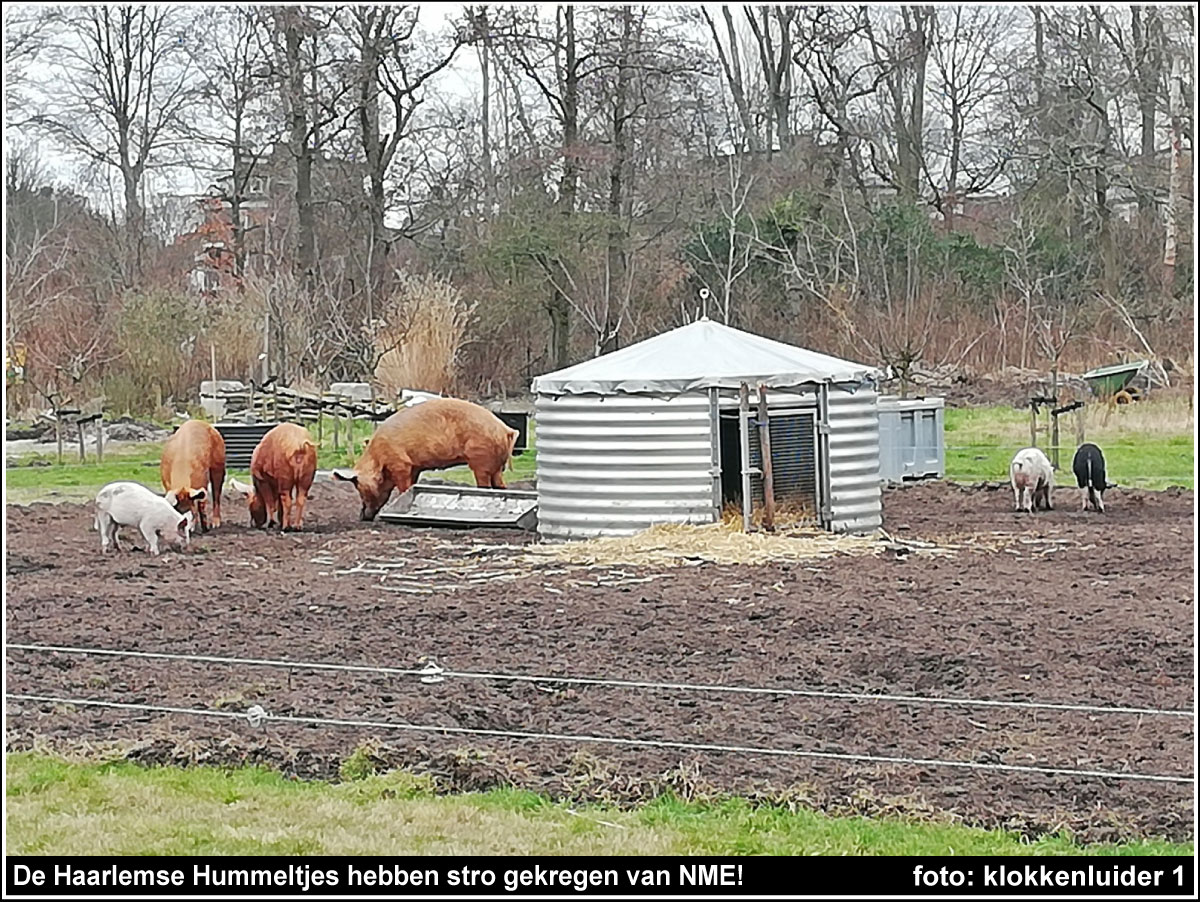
pixel 432 435
pixel 283 464
pixel 193 470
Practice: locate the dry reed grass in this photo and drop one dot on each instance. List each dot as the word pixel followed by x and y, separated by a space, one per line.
pixel 425 340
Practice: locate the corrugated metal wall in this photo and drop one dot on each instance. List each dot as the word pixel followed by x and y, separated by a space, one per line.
pixel 854 495
pixel 615 464
pixel 240 441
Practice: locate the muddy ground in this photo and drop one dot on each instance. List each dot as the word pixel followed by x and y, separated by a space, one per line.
pixel 1061 606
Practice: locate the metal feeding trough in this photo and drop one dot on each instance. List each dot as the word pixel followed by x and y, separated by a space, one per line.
pixel 463 507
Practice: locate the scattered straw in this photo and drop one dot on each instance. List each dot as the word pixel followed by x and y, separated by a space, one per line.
pixel 674 545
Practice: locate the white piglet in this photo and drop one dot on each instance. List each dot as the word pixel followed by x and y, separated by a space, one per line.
pixel 1032 480
pixel 132 504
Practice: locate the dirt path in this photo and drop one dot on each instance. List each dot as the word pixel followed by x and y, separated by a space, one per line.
pixel 1061 607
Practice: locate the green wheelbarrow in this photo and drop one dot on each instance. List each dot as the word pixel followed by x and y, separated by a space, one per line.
pixel 1113 381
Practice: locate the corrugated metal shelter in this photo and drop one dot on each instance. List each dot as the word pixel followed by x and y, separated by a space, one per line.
pixel 652 434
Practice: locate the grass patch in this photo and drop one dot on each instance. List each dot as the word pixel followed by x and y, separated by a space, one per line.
pixel 1148 445
pixel 75 808
pixel 37 477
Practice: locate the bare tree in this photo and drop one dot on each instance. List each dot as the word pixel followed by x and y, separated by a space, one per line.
pixel 966 86
pixel 125 80
pixel 902 51
pixel 728 251
pixel 231 113
pixel 533 48
pixel 773 33
pixel 729 52
pixel 389 66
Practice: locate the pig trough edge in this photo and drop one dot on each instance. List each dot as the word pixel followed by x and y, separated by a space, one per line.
pixel 463 507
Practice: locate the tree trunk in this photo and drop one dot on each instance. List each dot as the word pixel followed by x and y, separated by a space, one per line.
pixel 558 307
pixel 616 264
pixel 731 63
pixel 1147 73
pixel 305 266
pixel 1175 185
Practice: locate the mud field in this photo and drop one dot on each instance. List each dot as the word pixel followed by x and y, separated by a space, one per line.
pixel 1058 607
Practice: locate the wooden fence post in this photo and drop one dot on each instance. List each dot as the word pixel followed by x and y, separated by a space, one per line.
pixel 764 443
pixel 744 440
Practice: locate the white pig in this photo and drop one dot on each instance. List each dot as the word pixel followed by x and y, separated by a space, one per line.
pixel 131 504
pixel 1032 480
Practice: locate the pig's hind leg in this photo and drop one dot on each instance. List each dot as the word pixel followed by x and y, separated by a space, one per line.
pixel 216 481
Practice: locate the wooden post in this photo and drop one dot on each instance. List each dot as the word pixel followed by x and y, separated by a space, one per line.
pixel 100 437
pixel 1080 426
pixel 79 430
pixel 744 439
pixel 1033 424
pixel 1054 417
pixel 764 443
pixel 336 426
pixel 58 434
pixel 320 422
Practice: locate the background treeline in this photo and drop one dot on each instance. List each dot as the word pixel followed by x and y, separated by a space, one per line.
pixel 459 199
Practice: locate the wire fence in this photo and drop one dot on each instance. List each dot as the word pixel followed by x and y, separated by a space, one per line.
pixel 256 716
pixel 432 673
pixel 435 672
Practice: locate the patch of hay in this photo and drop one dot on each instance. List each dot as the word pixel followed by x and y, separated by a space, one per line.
pixel 675 544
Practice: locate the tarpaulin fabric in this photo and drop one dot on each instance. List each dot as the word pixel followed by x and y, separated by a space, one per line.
pixel 701 355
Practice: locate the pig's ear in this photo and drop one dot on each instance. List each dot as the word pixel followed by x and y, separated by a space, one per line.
pixel 241 487
pixel 346 476
pixel 198 494
pixel 172 498
pixel 184 524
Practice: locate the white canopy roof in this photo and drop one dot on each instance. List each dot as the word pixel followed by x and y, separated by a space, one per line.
pixel 700 355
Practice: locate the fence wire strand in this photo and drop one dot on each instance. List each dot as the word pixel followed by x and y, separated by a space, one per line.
pixel 611 740
pixel 614 683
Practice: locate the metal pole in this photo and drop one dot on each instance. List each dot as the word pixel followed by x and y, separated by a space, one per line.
pixel 744 440
pixel 764 442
